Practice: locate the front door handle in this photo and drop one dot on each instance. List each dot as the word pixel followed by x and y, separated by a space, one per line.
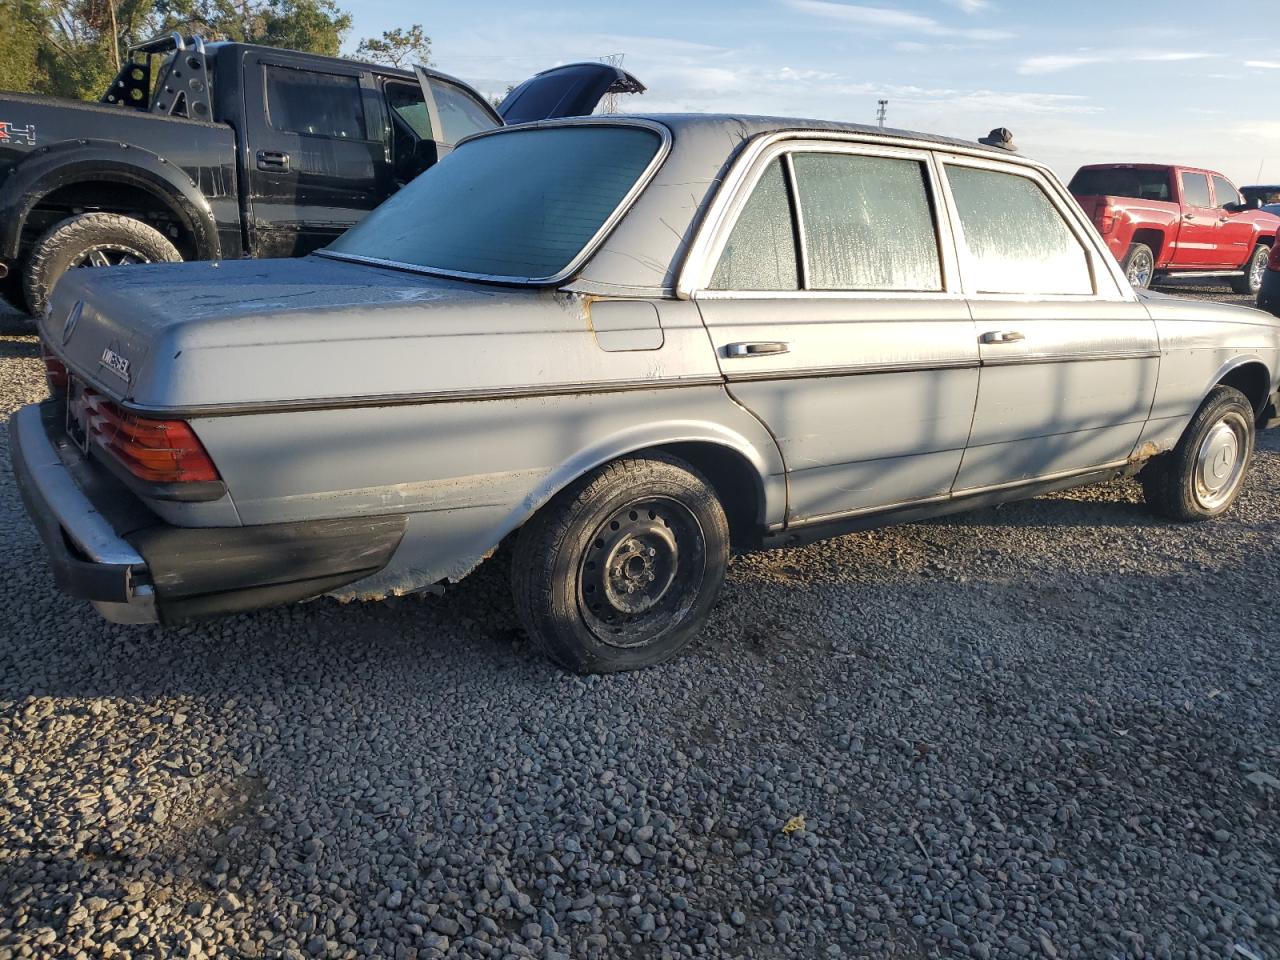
pixel 762 348
pixel 1188 216
pixel 276 161
pixel 1002 336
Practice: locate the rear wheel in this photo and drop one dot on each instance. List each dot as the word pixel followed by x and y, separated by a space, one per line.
pixel 1139 266
pixel 1201 478
pixel 90 240
pixel 620 571
pixel 1251 281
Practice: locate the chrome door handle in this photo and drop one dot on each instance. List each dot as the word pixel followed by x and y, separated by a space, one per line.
pixel 1002 336
pixel 763 348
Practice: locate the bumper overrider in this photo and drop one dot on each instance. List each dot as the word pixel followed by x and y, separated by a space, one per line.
pixel 107 547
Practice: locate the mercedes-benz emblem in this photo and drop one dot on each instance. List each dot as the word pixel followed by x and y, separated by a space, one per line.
pixel 73 318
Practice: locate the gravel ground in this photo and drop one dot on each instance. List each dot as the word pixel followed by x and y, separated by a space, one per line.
pixel 1045 730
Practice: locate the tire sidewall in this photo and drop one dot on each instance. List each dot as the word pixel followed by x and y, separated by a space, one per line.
pixel 1217 405
pixel 53 253
pixel 570 641
pixel 1260 252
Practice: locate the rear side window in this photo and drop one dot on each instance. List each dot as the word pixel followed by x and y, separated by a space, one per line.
pixel 1016 240
pixel 1224 193
pixel 1195 190
pixel 761 251
pixel 867 223
pixel 315 104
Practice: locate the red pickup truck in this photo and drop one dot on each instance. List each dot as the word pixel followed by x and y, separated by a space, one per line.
pixel 1162 221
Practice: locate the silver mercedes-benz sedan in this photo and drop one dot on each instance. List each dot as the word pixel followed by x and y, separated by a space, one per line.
pixel 630 345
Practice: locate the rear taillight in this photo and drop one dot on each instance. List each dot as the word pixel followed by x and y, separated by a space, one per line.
pixel 157 451
pixel 1273 261
pixel 1105 218
pixel 55 372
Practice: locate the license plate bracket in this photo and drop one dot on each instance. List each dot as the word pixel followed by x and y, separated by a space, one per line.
pixel 76 426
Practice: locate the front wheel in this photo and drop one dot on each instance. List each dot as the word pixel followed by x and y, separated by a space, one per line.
pixel 1201 478
pixel 1139 266
pixel 1251 282
pixel 90 240
pixel 621 569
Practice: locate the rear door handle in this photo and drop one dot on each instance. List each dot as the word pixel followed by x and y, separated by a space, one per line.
pixel 274 160
pixel 763 348
pixel 1002 336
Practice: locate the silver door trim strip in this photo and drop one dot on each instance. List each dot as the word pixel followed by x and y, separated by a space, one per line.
pixel 1070 358
pixel 861 370
pixel 954 495
pixel 410 399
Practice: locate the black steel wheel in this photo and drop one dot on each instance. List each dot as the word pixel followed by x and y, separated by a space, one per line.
pixel 621 570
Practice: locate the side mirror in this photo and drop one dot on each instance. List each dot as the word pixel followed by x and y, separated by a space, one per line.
pixel 1235 207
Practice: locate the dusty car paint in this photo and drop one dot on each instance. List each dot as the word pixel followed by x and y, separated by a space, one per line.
pixel 327 389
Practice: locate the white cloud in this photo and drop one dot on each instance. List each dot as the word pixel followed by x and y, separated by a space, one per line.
pixel 1263 64
pixel 1057 62
pixel 886 19
pixel 970 6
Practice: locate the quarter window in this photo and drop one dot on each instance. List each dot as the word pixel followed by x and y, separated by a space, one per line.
pixel 1224 192
pixel 460 114
pixel 1195 190
pixel 867 223
pixel 1016 240
pixel 315 104
pixel 761 251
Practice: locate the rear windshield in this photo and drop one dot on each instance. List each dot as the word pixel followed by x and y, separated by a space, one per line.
pixel 521 205
pixel 1122 182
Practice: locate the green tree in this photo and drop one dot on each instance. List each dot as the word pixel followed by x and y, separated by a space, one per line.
pixel 397 48
pixel 316 26
pixel 20 45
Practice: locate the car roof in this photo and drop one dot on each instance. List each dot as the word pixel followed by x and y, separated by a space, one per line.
pixel 748 126
pixel 216 45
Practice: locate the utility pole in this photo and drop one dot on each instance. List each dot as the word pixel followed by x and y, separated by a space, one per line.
pixel 882 112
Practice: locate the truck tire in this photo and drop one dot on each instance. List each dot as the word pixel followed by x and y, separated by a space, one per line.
pixel 90 240
pixel 1139 266
pixel 1254 268
pixel 1201 478
pixel 620 570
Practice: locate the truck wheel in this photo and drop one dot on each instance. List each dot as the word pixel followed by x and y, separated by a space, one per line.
pixel 1201 478
pixel 1254 269
pixel 621 569
pixel 90 240
pixel 1139 266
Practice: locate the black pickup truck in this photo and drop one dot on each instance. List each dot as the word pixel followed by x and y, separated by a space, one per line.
pixel 234 151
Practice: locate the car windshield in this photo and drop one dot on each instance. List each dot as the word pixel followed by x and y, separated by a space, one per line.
pixel 1122 182
pixel 521 205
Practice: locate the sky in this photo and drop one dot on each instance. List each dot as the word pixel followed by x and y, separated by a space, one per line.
pixel 1077 82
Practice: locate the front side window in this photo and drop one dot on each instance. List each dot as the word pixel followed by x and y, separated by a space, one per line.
pixel 315 104
pixel 1224 193
pixel 1015 238
pixel 760 253
pixel 867 223
pixel 407 103
pixel 1195 190
pixel 520 205
pixel 460 114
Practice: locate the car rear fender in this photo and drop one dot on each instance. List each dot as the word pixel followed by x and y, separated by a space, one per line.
pixel 92 161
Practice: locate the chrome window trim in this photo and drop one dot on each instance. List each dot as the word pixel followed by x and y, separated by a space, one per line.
pixel 734 193
pixel 1098 259
pixel 591 247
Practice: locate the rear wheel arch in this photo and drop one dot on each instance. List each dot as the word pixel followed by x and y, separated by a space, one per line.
pixel 1253 379
pixel 75 174
pixel 1152 238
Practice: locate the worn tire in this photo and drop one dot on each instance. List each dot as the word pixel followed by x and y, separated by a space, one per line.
pixel 72 239
pixel 1251 282
pixel 1171 483
pixel 574 564
pixel 1140 256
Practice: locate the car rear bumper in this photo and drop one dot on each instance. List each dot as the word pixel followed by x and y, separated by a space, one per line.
pixel 106 547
